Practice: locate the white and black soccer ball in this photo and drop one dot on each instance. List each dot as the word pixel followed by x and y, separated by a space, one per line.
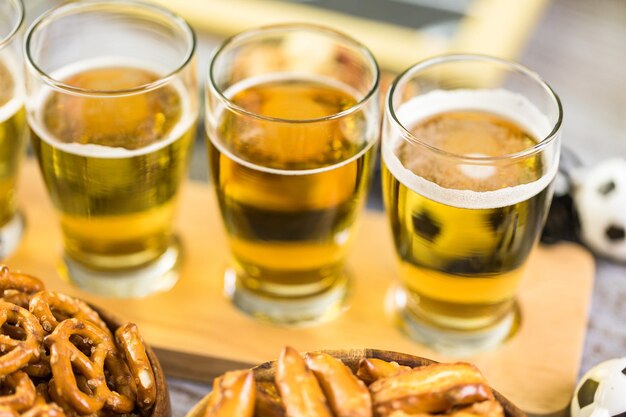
pixel 602 391
pixel 599 195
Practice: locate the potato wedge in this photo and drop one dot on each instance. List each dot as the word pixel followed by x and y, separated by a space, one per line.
pixel 299 390
pixel 429 389
pixel 372 369
pixel 268 402
pixel 400 413
pixel 347 395
pixel 490 408
pixel 233 395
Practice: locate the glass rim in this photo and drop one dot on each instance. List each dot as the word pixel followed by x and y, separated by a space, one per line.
pixel 21 14
pixel 286 27
pixel 478 160
pixel 88 5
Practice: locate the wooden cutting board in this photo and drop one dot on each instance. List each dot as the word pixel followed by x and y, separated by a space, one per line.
pixel 199 334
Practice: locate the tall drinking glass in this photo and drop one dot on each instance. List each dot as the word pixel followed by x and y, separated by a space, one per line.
pixel 292 119
pixel 470 150
pixel 13 129
pixel 112 105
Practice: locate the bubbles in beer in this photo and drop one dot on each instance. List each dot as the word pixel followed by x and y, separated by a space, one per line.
pixel 104 121
pixel 113 162
pixel 314 145
pixel 290 179
pixel 13 132
pixel 11 96
pixel 6 85
pixel 464 224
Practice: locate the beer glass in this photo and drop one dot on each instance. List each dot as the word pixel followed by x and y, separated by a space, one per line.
pixel 470 149
pixel 112 105
pixel 13 129
pixel 291 119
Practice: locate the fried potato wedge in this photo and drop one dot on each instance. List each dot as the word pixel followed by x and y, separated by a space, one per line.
pixel 435 388
pixel 490 408
pixel 233 395
pixel 400 413
pixel 299 390
pixel 347 395
pixel 372 369
pixel 268 402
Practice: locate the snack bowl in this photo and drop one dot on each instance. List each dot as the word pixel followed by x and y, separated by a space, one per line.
pixel 62 356
pixel 351 357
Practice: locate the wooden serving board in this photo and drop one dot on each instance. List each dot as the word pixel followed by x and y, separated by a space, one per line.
pixel 199 334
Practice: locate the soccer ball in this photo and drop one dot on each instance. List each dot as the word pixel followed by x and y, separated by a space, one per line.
pixel 602 391
pixel 600 199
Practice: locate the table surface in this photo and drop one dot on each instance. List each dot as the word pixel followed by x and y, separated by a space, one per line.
pixel 579 47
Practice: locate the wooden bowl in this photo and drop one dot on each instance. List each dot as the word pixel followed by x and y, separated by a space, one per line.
pixel 162 406
pixel 351 357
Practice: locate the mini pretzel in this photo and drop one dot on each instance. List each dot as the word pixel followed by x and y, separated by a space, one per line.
pixel 45 304
pixel 39 369
pixel 19 352
pixel 45 410
pixel 65 357
pixel 55 397
pixel 123 397
pixel 17 288
pixel 17 297
pixel 8 412
pixel 23 392
pixel 41 394
pixel 14 332
pixel 18 281
pixel 133 348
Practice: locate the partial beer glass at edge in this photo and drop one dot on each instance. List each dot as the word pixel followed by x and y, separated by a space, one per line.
pixel 13 129
pixel 113 121
pixel 470 150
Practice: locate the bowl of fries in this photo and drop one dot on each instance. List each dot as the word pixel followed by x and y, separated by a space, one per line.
pixel 354 383
pixel 61 357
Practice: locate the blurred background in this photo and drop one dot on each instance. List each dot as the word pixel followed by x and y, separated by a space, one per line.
pixel 577 46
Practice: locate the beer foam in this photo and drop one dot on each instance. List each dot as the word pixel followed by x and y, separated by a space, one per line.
pixel 8 109
pixel 187 119
pixel 370 136
pixel 504 103
pixel 231 91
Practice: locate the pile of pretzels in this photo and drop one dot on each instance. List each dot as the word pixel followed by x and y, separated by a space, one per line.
pixel 59 358
pixel 320 385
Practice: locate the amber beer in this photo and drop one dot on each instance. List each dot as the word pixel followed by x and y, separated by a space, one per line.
pixel 291 119
pixel 290 192
pixel 468 167
pixel 460 258
pixel 113 163
pixel 13 130
pixel 13 133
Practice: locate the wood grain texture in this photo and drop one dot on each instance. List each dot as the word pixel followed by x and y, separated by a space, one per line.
pixel 536 370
